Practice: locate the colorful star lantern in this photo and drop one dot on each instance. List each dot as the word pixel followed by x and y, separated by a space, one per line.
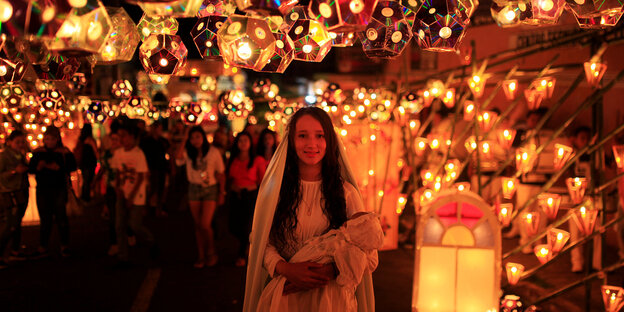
pixel 612 297
pixel 592 14
pixel 283 54
pixel 387 33
pixel 57 68
pixel 156 25
pixel 511 13
pixel 77 82
pixel 343 15
pixel 12 96
pixel 175 8
pixel 34 18
pixel 11 71
pixel 122 41
pixel 162 54
pixel 122 89
pixel 235 104
pixel 96 112
pixel 216 7
pixel 51 99
pixel 342 39
pixel 246 42
pixel 292 15
pixel 311 39
pixel 440 24
pixel 412 7
pixel 594 72
pixel 193 114
pixel 136 107
pixel 266 7
pixel 204 35
pixel 84 30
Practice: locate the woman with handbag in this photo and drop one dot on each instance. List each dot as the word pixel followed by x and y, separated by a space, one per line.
pixel 52 165
pixel 13 194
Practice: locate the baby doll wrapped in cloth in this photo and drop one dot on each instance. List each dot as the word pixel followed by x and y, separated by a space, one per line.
pixel 353 248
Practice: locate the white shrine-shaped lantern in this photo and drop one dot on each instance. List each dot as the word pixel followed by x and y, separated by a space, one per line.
pixel 506 137
pixel 585 218
pixel 514 272
pixel 612 297
pixel 557 239
pixel 510 87
pixel 531 223
pixel 543 253
pixel 458 255
pixel 509 187
pixel 576 189
pixel 563 153
pixel 549 204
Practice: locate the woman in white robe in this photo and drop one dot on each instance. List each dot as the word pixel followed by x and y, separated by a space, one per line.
pixel 308 190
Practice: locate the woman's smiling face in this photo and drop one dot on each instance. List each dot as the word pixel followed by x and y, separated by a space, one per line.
pixel 310 141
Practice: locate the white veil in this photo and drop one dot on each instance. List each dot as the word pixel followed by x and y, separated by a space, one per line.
pixel 268 195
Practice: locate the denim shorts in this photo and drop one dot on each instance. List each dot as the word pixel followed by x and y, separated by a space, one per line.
pixel 197 192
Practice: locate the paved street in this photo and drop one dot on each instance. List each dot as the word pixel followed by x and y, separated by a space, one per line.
pixel 87 281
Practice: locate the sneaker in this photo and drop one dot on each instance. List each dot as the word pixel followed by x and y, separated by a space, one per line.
pixel 3 265
pixel 113 250
pixel 132 241
pixel 17 256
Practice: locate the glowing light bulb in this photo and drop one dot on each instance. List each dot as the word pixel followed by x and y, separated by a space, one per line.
pixel 244 51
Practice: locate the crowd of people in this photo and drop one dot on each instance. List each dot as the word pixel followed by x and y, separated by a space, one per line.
pixel 130 172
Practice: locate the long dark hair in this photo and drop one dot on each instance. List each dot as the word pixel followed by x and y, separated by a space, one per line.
pixel 332 188
pixel 191 151
pixel 261 150
pixel 55 132
pixel 235 151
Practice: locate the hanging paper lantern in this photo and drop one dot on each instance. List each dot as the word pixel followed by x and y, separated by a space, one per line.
pixel 216 7
pixel 159 79
pixel 557 239
pixel 543 253
pixel 511 13
pixel 84 30
pixel 283 55
pixel 440 24
pixel 563 153
pixel 342 39
pixel 618 153
pixel 596 14
pixel 121 42
pixel 477 85
pixel 57 68
pixel 235 104
pixel 136 107
pixel 156 25
pixel 193 114
pixel 96 112
pixel 504 213
pixel 533 97
pixel 11 71
pixel 311 40
pixel 175 8
pixel 387 33
pixel 526 158
pixel 412 102
pixel 594 72
pixel 506 137
pixel 78 82
pixel 585 218
pixel 449 97
pixel 509 187
pixel 12 96
pixel 469 110
pixel 266 7
pixel 246 42
pixel 612 297
pixel 162 54
pixel 343 15
pixel 35 18
pixel 514 272
pixel 51 99
pixel 292 15
pixel 122 89
pixel 531 223
pixel 576 189
pixel 486 120
pixel 549 203
pixel 204 35
pixel 545 85
pixel 510 87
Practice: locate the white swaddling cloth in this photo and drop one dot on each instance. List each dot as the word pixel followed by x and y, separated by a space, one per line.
pixel 353 248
